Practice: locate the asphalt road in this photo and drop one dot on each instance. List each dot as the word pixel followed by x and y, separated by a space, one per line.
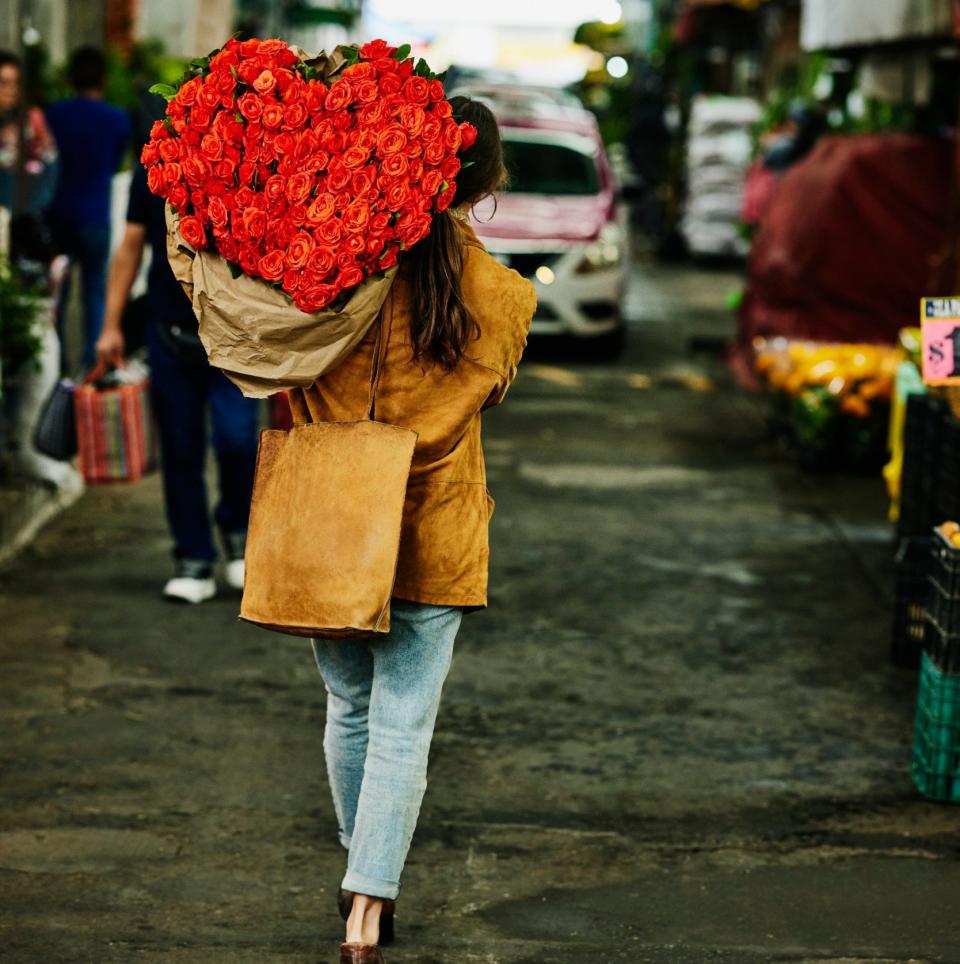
pixel 673 737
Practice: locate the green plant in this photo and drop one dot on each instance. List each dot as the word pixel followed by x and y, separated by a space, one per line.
pixel 19 343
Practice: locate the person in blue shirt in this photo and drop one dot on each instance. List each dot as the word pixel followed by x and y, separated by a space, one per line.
pixel 186 393
pixel 92 138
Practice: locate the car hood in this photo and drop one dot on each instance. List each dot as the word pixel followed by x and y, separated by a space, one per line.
pixel 540 217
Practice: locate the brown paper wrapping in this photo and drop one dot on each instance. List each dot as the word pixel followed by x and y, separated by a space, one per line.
pixel 254 332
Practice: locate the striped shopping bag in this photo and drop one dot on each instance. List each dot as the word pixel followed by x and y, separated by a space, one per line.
pixel 115 435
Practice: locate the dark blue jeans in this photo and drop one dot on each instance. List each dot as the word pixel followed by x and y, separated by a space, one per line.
pixel 183 393
pixel 89 247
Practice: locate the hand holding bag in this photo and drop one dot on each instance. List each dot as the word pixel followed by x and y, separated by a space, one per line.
pixel 324 531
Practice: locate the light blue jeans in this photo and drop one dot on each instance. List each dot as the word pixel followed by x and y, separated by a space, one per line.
pixel 382 702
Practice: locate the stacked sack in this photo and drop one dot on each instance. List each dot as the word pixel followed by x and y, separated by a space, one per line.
pixel 719 147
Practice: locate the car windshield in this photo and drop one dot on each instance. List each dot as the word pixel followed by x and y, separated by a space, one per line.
pixel 539 168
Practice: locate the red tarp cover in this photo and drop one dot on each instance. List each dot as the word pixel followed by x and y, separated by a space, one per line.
pixel 849 243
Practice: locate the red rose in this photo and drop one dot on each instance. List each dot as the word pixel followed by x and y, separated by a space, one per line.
pixel 376 49
pixel 208 96
pixel 328 232
pixel 225 82
pixel 270 266
pixel 436 90
pixel 334 141
pixel 158 131
pixel 340 96
pixel 196 170
pixel 294 116
pixel 250 106
pixel 191 230
pixel 390 140
pixel 385 65
pixel 366 91
pixel 271 47
pixel 444 199
pixel 394 165
pixel 315 297
pixel 412 117
pixel 396 196
pixel 321 262
pixel 432 129
pixel 468 135
pixel 416 90
pixel 435 153
pixel 200 116
pixel 272 116
pixel 379 223
pixel 375 243
pixel 350 277
pixel 321 209
pixel 169 150
pixel 356 216
pixel 354 158
pixel 187 94
pixel 361 182
pixel 212 147
pixel 299 250
pixel 292 280
pixel 218 212
pixel 416 229
pixel 178 196
pixel 452 136
pixel 225 169
pixel 431 182
pixel 390 84
pixel 274 188
pixel 416 169
pixel 228 248
pixel 371 115
pixel 389 258
pixel 299 187
pixel 338 180
pixel 254 223
pixel 284 144
pixel 359 71
pixel 265 82
pixel 172 173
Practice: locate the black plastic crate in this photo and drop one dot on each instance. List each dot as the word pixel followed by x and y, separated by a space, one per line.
pixel 936 734
pixel 910 614
pixel 948 476
pixel 943 648
pixel 920 490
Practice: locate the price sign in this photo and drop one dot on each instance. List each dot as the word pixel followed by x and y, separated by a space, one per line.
pixel 940 326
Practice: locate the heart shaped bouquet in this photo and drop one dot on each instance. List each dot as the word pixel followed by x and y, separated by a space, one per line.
pixel 311 174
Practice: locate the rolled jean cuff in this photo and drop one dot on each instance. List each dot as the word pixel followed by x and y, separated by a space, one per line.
pixel 371 886
pixel 344 840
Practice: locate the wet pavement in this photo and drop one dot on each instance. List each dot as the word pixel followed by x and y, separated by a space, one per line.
pixel 674 736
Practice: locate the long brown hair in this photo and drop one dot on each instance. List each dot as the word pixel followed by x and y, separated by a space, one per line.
pixel 441 323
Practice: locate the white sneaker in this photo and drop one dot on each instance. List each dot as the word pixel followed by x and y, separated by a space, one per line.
pixel 234 573
pixel 193 582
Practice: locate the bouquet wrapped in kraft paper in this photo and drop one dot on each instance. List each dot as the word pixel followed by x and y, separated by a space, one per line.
pixel 293 185
pixel 260 339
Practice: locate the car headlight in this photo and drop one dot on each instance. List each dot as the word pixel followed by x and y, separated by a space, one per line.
pixel 605 252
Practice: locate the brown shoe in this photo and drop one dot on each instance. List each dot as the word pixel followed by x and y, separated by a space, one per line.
pixel 345 903
pixel 360 954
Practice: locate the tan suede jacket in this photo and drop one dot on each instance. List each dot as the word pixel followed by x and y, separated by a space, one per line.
pixel 444 545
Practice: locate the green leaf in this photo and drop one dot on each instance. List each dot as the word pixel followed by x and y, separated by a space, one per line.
pixel 422 69
pixel 239 117
pixel 164 90
pixel 169 125
pixel 443 186
pixel 235 270
pixel 442 76
pixel 463 167
pixel 402 52
pixel 233 70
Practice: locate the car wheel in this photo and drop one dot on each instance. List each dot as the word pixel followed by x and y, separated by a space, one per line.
pixel 605 348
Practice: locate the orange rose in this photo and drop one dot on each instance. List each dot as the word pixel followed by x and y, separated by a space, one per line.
pixel 299 250
pixel 390 140
pixel 321 209
pixel 265 82
pixel 270 266
pixel 191 230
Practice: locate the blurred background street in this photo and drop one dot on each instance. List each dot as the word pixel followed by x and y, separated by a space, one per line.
pixel 688 727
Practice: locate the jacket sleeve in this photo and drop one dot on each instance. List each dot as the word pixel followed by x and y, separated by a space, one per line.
pixel 503 304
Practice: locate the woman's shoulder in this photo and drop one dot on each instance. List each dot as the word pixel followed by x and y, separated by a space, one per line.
pixel 501 300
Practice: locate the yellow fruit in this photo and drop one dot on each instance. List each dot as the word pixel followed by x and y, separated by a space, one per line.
pixel 949 529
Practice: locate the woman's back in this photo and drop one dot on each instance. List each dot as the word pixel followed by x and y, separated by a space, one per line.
pixel 444 548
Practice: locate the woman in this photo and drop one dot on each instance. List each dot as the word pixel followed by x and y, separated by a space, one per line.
pixel 448 343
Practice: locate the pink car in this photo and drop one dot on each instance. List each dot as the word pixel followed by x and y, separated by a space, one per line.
pixel 558 224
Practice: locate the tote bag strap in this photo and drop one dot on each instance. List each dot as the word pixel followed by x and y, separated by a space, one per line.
pixel 376 365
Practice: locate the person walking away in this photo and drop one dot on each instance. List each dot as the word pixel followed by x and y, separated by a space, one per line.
pixel 445 347
pixel 94 137
pixel 184 391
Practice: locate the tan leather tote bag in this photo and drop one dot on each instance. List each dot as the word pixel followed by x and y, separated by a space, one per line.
pixel 324 530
